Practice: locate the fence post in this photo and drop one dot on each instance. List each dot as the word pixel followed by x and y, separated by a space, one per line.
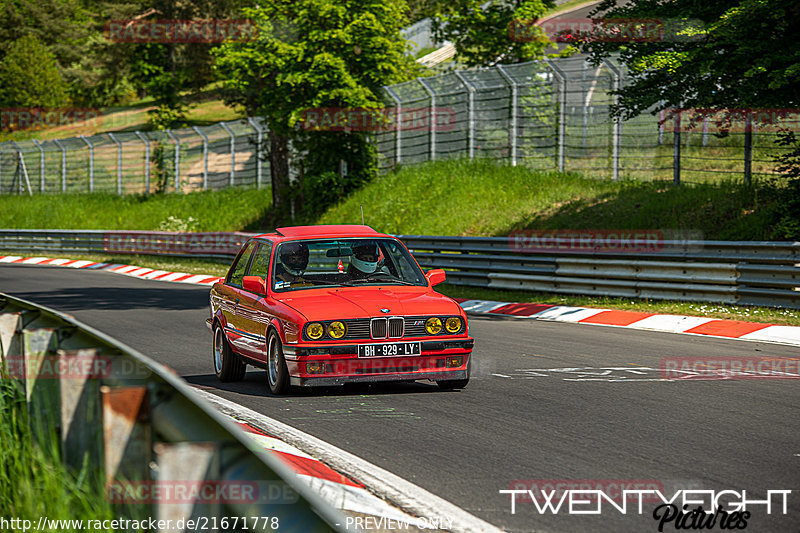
pixel 205 157
pixel 146 142
pixel 705 130
pixel 470 113
pixel 617 131
pixel 119 162
pixel 21 169
pixel 233 149
pixel 91 162
pixel 676 150
pixel 259 141
pixel 398 124
pixel 63 165
pixel 562 110
pixel 177 158
pixel 432 107
pixel 41 165
pixel 748 147
pixel 514 112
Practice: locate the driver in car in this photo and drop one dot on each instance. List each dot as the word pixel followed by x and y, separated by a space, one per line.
pixel 292 263
pixel 365 260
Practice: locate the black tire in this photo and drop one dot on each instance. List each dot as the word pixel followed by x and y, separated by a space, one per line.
pixel 454 384
pixel 227 365
pixel 277 373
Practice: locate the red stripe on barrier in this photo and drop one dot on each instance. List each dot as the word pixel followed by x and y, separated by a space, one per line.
pixel 162 275
pixel 727 328
pixel 616 318
pixel 119 267
pixel 521 309
pixel 205 280
pixel 181 278
pixel 312 467
pixel 253 429
pixel 20 260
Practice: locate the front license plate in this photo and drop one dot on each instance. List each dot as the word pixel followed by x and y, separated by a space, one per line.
pixel 390 349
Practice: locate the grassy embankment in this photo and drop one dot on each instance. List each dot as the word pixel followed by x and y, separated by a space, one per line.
pixel 446 198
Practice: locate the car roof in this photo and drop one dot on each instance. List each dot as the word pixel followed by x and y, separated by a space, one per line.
pixel 321 231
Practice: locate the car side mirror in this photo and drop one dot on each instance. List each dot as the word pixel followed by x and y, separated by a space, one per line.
pixel 435 276
pixel 255 284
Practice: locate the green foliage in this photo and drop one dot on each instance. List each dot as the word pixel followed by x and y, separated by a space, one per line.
pixel 311 54
pixel 484 32
pixel 788 227
pixel 730 53
pixel 30 76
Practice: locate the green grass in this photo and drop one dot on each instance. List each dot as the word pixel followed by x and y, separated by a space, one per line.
pixel 482 197
pixel 33 482
pixel 225 210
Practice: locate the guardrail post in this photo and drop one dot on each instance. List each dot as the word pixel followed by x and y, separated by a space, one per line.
pixel 41 165
pixel 205 155
pixel 41 378
pixel 470 113
pixel 177 158
pixel 119 162
pixel 126 432
pixel 91 162
pixel 233 150
pixel 10 333
pixel 562 113
pixel 676 150
pixel 512 133
pixel 146 142
pixel 431 110
pixel 259 142
pixel 63 165
pixel 617 128
pixel 748 147
pixel 81 414
pixel 187 463
pixel 398 124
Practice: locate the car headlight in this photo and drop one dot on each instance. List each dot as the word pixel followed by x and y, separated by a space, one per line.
pixel 337 329
pixel 433 325
pixel 452 324
pixel 315 330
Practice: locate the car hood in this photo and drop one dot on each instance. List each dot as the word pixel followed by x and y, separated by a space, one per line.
pixel 364 302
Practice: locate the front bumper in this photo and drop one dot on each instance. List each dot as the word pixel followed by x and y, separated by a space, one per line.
pixel 445 359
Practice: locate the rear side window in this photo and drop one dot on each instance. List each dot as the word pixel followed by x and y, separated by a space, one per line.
pixel 239 267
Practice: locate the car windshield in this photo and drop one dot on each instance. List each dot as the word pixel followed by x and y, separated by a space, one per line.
pixel 343 262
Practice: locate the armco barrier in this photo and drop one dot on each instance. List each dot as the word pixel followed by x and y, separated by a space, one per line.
pixel 145 430
pixel 740 272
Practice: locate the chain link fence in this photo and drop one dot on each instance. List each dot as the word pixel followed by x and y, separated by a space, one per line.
pixel 199 158
pixel 556 115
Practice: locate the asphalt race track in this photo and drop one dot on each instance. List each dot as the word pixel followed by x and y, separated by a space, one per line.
pixel 524 416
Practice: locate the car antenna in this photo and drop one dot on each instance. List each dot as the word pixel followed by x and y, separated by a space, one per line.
pixel 362 214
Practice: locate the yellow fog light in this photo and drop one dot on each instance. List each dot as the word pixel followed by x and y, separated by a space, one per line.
pixel 452 324
pixel 336 330
pixel 455 361
pixel 315 368
pixel 315 330
pixel 433 325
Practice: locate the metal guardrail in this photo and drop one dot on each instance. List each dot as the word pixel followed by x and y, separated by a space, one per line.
pixel 745 273
pixel 137 423
pixel 731 272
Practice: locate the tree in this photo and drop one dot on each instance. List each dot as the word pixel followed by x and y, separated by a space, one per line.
pixel 486 33
pixel 732 54
pixel 30 76
pixel 312 54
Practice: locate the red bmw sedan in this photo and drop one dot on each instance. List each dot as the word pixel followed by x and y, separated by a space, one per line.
pixel 329 305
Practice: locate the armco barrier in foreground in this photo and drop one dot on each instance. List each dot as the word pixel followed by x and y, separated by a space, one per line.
pixel 147 432
pixel 731 272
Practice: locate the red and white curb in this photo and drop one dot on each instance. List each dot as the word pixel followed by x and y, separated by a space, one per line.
pixel 690 325
pixel 117 268
pixel 383 501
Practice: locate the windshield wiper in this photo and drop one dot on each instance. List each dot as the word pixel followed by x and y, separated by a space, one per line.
pixel 381 277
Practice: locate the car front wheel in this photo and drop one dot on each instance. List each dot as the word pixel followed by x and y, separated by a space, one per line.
pixel 277 373
pixel 227 365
